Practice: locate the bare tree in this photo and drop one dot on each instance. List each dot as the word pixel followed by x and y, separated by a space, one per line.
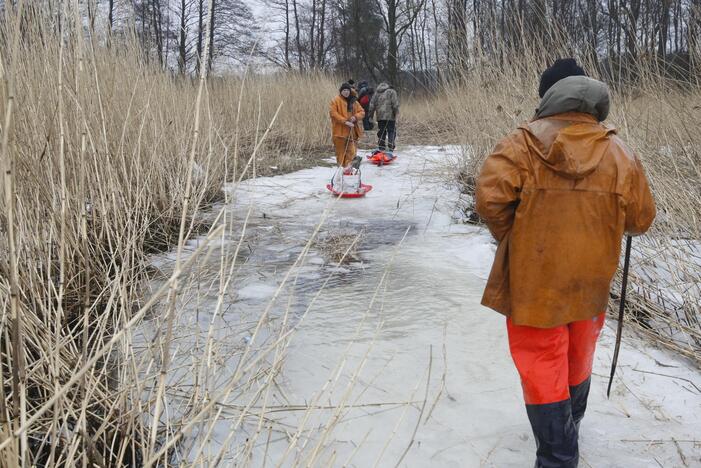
pixel 398 16
pixel 110 16
pixel 383 38
pixel 182 43
pixel 200 33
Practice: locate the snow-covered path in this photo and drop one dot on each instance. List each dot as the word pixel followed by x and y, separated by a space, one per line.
pixel 397 357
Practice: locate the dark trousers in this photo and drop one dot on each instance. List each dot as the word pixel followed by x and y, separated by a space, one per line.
pixel 367 123
pixel 386 133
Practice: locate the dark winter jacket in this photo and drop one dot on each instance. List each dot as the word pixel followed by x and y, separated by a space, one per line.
pixel 384 104
pixel 365 96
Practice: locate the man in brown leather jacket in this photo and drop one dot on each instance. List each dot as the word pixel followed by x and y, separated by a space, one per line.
pixel 558 194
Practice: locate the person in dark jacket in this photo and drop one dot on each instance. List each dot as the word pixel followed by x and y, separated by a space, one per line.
pixel 354 88
pixel 558 194
pixel 385 106
pixel 365 93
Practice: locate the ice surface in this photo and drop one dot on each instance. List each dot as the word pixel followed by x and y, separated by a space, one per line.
pixel 408 313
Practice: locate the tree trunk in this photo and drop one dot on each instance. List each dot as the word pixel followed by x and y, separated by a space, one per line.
pixel 539 24
pixel 321 59
pixel 158 29
pixel 200 33
pixel 92 14
pixel 663 28
pixel 593 26
pixel 633 15
pixel 435 41
pixel 182 55
pixel 110 15
pixel 392 46
pixel 312 28
pixel 212 17
pixel 287 34
pixel 143 24
pixel 297 36
pixel 694 35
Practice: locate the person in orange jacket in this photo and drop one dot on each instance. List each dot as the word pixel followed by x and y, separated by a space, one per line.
pixel 558 194
pixel 346 115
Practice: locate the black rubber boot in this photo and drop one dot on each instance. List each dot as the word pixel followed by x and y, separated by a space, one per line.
pixel 578 397
pixel 555 435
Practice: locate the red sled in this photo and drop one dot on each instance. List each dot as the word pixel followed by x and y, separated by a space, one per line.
pixel 380 158
pixel 364 188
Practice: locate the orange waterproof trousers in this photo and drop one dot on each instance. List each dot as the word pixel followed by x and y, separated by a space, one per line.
pixel 551 360
pixel 345 150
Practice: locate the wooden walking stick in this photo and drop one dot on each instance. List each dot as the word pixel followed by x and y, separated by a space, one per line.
pixel 624 284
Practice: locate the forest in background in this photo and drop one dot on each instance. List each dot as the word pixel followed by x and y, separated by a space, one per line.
pixel 416 43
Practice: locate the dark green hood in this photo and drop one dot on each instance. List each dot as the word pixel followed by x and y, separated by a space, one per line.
pixel 576 94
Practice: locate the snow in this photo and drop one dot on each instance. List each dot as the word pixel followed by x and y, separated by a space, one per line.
pixel 397 343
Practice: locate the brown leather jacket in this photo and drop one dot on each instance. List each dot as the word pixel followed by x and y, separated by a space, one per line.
pixel 558 194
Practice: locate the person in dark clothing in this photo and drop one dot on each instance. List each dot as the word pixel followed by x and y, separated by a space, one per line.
pixel 354 88
pixel 385 105
pixel 365 93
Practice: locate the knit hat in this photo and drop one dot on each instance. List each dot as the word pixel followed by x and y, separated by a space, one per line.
pixel 351 82
pixel 345 86
pixel 562 68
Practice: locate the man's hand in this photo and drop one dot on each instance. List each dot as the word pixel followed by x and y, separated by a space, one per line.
pixel 353 119
pixel 350 124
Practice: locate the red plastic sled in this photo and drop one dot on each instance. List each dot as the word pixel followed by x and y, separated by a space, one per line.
pixel 365 188
pixel 380 158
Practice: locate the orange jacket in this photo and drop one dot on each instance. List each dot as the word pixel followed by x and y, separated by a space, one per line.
pixel 340 115
pixel 558 194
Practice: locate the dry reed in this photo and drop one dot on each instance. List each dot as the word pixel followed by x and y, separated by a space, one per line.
pixel 107 159
pixel 658 118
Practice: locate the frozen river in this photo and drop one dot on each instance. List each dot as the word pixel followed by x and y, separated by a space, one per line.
pixel 389 358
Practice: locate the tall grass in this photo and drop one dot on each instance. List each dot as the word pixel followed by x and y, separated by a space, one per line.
pixel 106 159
